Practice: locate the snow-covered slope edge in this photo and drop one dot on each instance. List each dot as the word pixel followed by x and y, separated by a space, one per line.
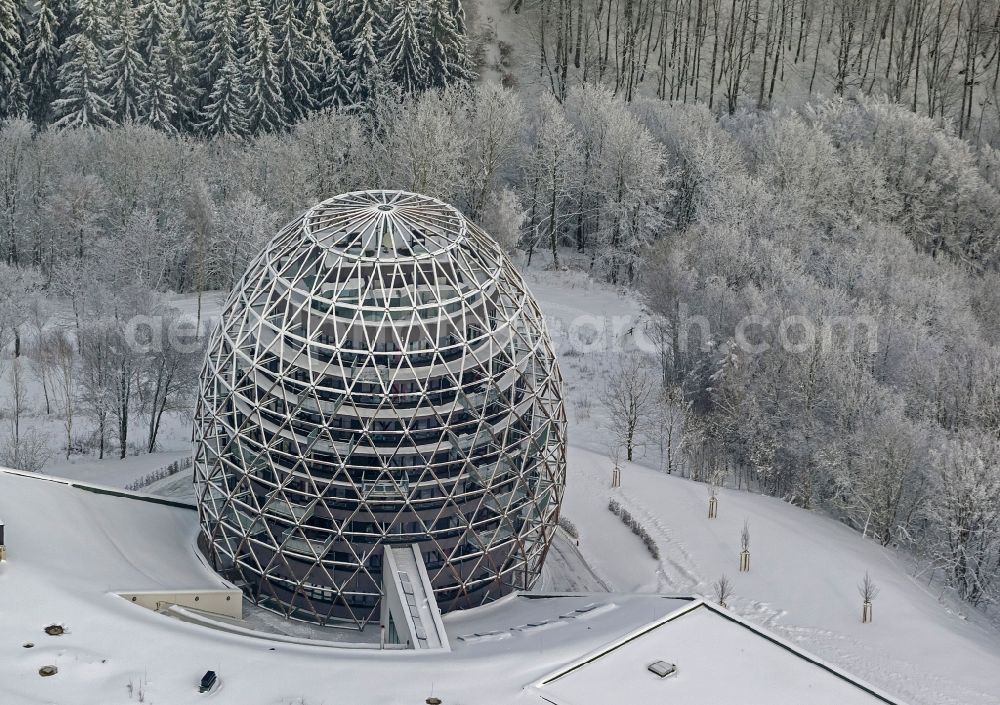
pixel 803 582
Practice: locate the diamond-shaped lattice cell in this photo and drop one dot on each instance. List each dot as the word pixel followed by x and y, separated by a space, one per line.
pixel 382 375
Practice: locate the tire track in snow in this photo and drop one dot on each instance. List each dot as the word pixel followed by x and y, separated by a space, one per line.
pixel 678 571
pixel 903 679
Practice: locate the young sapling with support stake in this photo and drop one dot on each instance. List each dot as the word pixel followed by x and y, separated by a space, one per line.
pixel 868 591
pixel 723 590
pixel 745 547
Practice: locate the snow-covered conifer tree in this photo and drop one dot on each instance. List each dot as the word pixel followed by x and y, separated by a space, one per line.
pixel 225 112
pixel 297 74
pixel 12 97
pixel 42 60
pixel 447 62
pixel 264 101
pixel 82 75
pixel 406 59
pixel 127 71
pixel 152 17
pixel 360 26
pixel 458 12
pixel 329 88
pixel 353 15
pixel 218 37
pixel 365 70
pixel 219 66
pixel 190 13
pixel 159 102
pixel 335 91
pixel 171 67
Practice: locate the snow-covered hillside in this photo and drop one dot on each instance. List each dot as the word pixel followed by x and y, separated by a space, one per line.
pixel 805 566
pixel 803 582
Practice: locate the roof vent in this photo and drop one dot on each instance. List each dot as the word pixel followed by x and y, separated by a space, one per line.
pixel 208 681
pixel 662 668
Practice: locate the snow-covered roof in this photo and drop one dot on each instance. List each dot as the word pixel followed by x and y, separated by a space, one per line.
pixel 716 656
pixel 73 545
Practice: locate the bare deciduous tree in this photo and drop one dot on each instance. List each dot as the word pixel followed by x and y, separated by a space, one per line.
pixel 95 377
pixel 242 228
pixel 723 590
pixel 551 168
pixel 631 393
pixel 495 121
pixel 18 397
pixel 667 427
pixel 868 591
pixel 61 355
pixel 964 510
pixel 504 218
pixel 38 316
pixel 169 372
pixel 15 150
pixel 18 286
pixel 745 547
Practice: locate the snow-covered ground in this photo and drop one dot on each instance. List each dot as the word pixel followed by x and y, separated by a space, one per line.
pixel 530 648
pixel 805 566
pixel 802 585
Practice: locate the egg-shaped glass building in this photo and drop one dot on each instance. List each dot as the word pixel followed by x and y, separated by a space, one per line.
pixel 380 375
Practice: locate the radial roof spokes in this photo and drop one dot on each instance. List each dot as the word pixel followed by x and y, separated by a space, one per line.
pixel 384 225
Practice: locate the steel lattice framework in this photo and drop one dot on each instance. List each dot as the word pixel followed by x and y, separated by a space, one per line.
pixel 381 374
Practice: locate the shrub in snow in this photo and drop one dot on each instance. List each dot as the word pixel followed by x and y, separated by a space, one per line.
pixel 171 469
pixel 569 527
pixel 637 528
pixel 28 452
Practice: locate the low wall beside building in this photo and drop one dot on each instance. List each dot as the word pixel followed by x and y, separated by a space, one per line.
pixel 225 602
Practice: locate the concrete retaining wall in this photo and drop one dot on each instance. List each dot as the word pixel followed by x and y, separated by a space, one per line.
pixel 228 603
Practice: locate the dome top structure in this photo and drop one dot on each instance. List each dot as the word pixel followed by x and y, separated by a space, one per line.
pixel 381 375
pixel 385 225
